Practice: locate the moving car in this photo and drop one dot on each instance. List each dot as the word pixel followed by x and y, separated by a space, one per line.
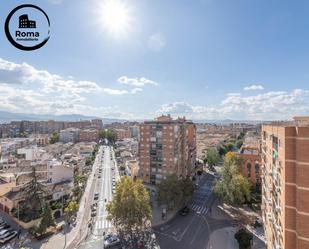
pixel 111 241
pixel 184 211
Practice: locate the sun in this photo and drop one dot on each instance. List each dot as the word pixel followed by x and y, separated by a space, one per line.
pixel 115 17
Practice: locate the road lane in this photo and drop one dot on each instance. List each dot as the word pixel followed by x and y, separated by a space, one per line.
pixel 104 188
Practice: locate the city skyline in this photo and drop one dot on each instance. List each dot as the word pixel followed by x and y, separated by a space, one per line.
pixel 195 62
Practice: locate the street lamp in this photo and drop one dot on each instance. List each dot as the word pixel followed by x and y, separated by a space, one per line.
pixel 103 239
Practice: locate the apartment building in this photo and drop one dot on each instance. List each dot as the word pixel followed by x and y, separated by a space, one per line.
pixel 15 128
pixel 251 163
pixel 166 147
pixel 89 135
pixel 69 135
pixel 123 133
pixel 285 184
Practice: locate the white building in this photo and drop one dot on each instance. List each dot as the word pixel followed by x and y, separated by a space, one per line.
pixel 69 135
pixel 59 172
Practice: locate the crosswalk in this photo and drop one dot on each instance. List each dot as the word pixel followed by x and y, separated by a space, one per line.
pixel 201 209
pixel 103 224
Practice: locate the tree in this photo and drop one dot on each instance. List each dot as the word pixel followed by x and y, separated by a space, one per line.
pixel 174 191
pixel 34 193
pixel 71 209
pixel 54 137
pixel 212 157
pixel 130 210
pixel 244 239
pixel 108 134
pixel 239 143
pixel 187 189
pixel 232 187
pixel 47 219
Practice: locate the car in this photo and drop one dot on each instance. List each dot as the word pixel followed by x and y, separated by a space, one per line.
pixel 107 236
pixel 94 208
pixel 99 176
pixel 8 237
pixel 184 211
pixel 93 213
pixel 96 196
pixel 114 183
pixel 111 242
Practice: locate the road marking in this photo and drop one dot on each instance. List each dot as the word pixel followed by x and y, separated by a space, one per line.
pixel 195 234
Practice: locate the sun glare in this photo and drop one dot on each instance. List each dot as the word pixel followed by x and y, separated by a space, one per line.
pixel 115 17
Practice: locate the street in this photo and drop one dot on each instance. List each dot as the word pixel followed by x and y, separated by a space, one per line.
pixel 105 173
pixel 193 230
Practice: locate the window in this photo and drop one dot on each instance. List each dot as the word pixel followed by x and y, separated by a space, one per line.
pixel 257 168
pixel 249 170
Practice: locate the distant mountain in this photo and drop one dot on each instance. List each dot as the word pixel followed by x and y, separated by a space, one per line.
pixel 6 117
pixel 229 121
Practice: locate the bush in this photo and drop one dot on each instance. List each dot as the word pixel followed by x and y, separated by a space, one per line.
pixel 244 239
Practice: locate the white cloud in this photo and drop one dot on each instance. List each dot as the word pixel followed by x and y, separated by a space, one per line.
pixel 233 94
pixel 268 106
pixel 24 88
pixel 121 92
pixel 156 42
pixel 254 88
pixel 136 82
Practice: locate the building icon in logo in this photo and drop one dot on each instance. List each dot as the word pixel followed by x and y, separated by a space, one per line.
pixel 24 22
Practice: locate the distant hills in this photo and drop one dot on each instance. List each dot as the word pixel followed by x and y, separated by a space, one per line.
pixel 6 117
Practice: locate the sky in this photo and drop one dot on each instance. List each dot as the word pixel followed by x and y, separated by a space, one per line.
pixel 138 59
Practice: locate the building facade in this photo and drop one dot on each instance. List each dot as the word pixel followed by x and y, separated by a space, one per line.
pixel 251 164
pixel 285 184
pixel 69 135
pixel 166 146
pixel 89 135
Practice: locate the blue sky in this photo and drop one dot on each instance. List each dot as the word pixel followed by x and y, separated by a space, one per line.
pixel 205 59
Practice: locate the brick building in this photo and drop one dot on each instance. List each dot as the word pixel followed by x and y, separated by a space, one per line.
pixel 285 184
pixel 89 135
pixel 251 167
pixel 166 147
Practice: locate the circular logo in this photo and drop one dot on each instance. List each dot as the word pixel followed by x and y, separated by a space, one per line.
pixel 27 27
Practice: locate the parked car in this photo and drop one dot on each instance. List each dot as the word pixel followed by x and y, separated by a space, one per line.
pixel 111 241
pixel 96 196
pixel 10 236
pixel 93 213
pixel 184 211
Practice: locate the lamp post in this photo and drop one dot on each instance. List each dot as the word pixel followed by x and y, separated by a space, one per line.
pixel 103 239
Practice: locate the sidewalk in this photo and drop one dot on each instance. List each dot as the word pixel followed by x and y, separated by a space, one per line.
pixel 157 215
pixel 245 216
pixel 223 239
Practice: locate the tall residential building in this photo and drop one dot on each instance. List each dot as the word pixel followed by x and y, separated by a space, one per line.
pixel 69 135
pixel 285 184
pixel 166 146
